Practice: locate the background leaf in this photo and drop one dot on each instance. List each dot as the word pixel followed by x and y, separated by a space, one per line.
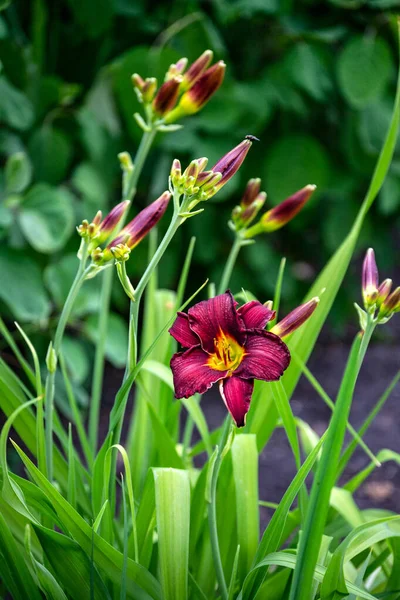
pixel 364 69
pixel 22 287
pixel 47 217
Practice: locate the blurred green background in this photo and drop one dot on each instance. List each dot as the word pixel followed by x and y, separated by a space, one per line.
pixel 313 80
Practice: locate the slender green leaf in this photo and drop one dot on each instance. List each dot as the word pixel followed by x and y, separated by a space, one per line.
pixel 105 556
pixel 173 523
pixel 13 567
pixel 360 539
pixel 273 535
pixel 70 565
pixel 233 582
pixel 318 506
pixel 245 474
pixel 288 559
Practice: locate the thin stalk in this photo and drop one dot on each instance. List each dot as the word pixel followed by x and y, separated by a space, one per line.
pixel 98 367
pixel 230 263
pixel 49 389
pixel 212 511
pixel 176 221
pixel 98 370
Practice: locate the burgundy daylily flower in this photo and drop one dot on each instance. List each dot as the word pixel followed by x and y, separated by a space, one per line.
pixel 228 345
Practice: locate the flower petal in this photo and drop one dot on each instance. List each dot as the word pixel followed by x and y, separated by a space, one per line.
pixel 192 374
pixel 266 356
pixel 236 393
pixel 209 317
pixel 181 331
pixel 255 315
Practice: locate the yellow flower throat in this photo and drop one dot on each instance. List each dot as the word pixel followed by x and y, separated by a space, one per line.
pixel 227 355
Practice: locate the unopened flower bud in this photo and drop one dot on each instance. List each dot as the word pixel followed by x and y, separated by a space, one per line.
pixel 251 192
pixel 251 211
pixel 295 318
pixel 145 88
pixel 125 161
pixel 199 94
pixel 137 81
pixel 229 164
pixel 196 70
pixel 370 279
pixel 97 255
pixel 51 359
pixel 195 168
pixel 208 186
pixel 242 216
pixel 121 252
pixel 390 305
pixel 110 222
pixel 149 89
pixel 269 304
pixel 167 96
pixel 281 214
pixel 383 292
pixel 83 228
pixel 176 172
pixel 140 226
pixel 176 68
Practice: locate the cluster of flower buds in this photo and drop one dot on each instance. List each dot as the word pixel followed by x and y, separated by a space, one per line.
pixel 275 218
pixel 120 247
pixel 251 203
pixel 379 302
pixel 201 184
pixel 98 231
pixel 182 93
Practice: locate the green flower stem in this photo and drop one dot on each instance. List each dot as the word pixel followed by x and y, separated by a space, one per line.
pixel 51 373
pixel 140 159
pixel 176 221
pixel 212 508
pixel 98 369
pixel 230 263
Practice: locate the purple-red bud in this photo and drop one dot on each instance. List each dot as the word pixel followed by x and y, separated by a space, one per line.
pixel 252 210
pixel 196 69
pixel 110 222
pixel 251 192
pixel 370 279
pixel 383 291
pixel 140 226
pixel 200 93
pixel 295 318
pixel 390 305
pixel 281 214
pixel 231 162
pixel 167 96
